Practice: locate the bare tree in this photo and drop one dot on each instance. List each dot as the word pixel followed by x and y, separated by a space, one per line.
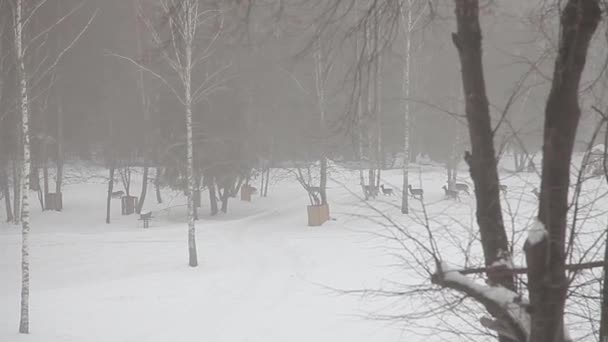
pixel 547 284
pixel 182 53
pixel 22 17
pixel 407 31
pixel 24 322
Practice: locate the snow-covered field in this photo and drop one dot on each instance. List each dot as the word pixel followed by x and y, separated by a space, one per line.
pixel 263 274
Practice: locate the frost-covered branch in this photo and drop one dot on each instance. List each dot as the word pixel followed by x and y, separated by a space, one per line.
pixel 510 311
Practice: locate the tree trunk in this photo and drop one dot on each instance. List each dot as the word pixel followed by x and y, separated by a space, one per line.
pixel 320 88
pixel 210 182
pixel 192 253
pixel 146 114
pixel 224 196
pixel 59 161
pixel 267 181
pixel 482 159
pixel 45 177
pixel 157 175
pixel 34 177
pixel 17 200
pixel 378 100
pixel 604 298
pixel 4 188
pixel 125 177
pixel 323 181
pixel 24 321
pixel 144 188
pixel 547 281
pixel 262 180
pixel 110 190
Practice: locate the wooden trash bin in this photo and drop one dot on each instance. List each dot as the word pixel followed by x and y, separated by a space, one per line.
pixel 53 201
pixel 317 215
pixel 128 204
pixel 246 193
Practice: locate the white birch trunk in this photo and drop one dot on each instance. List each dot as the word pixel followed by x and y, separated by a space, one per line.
pixel 190 29
pixel 359 127
pixel 406 109
pixel 378 109
pixel 320 88
pixel 370 112
pixel 24 322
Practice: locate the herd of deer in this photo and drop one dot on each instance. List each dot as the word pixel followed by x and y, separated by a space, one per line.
pixel 453 193
pixel 417 193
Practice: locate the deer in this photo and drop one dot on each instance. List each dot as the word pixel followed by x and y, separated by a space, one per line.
pixel 416 193
pixel 118 194
pixel 462 187
pixel 386 191
pixel 453 194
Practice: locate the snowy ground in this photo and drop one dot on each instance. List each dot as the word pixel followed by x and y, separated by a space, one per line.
pixel 263 275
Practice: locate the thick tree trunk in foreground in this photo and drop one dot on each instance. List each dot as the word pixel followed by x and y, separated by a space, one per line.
pixel 604 305
pixel 547 282
pixel 482 159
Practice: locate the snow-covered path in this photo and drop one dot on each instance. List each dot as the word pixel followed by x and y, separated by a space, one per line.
pixel 263 275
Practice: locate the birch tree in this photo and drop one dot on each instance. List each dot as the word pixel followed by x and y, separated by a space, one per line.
pixel 23 13
pixel 24 320
pixel 184 48
pixel 407 31
pixel 322 71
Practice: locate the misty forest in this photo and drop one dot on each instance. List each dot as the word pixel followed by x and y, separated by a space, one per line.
pixel 304 170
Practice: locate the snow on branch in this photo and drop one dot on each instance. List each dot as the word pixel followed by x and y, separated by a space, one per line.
pixel 511 318
pixel 536 233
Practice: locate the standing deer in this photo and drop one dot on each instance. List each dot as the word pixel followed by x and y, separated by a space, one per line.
pixel 453 194
pixel 386 191
pixel 416 193
pixel 462 187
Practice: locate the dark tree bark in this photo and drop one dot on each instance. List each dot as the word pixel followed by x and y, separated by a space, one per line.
pixel 604 310
pixel 482 158
pixel 262 182
pixel 267 181
pixel 372 182
pixel 59 160
pixel 227 189
pixel 157 175
pixel 45 177
pixel 210 183
pixel 34 178
pixel 4 188
pixel 144 188
pixel 224 199
pixel 323 180
pixel 110 190
pixel 547 281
